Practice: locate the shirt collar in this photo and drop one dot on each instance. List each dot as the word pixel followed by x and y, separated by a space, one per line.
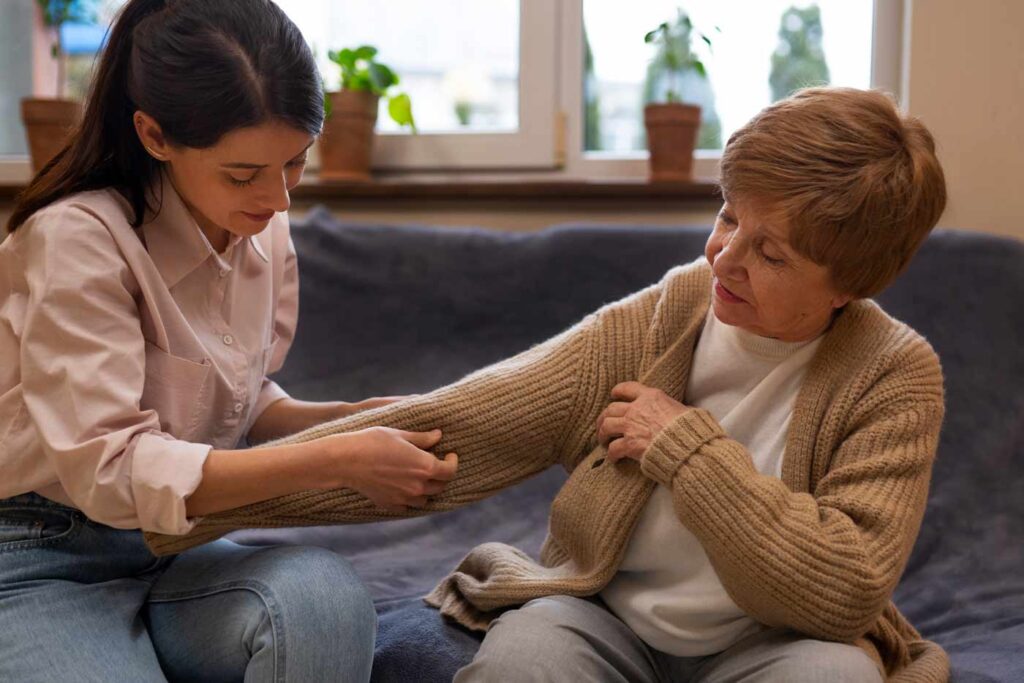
pixel 174 240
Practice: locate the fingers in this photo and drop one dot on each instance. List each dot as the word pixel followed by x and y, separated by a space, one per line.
pixel 616 409
pixel 444 470
pixel 434 487
pixel 627 391
pixel 610 428
pixel 614 451
pixel 619 449
pixel 379 401
pixel 422 440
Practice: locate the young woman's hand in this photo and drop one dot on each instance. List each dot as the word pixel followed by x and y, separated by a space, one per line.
pixel 346 409
pixel 391 467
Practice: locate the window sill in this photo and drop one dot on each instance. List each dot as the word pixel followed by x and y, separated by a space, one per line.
pixel 534 190
pixel 402 189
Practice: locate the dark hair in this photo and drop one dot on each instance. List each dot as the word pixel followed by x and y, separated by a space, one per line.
pixel 201 69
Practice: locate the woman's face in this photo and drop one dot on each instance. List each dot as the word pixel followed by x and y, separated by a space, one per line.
pixel 237 185
pixel 760 283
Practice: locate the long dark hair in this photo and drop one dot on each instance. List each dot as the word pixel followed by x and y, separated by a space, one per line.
pixel 200 68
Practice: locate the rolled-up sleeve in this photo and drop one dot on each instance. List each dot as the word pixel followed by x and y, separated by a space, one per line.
pixel 285 320
pixel 83 366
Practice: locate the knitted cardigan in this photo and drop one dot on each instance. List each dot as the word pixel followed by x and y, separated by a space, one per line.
pixel 819 550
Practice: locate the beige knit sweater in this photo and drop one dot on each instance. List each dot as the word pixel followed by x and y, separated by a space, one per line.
pixel 819 551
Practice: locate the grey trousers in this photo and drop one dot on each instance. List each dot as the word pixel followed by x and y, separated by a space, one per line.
pixel 561 639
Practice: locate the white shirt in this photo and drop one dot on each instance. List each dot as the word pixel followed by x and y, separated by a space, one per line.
pixel 666 589
pixel 123 361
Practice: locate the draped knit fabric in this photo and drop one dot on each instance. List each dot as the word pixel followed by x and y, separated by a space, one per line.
pixel 819 550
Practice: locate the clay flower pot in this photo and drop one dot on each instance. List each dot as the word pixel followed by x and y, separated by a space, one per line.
pixel 346 144
pixel 48 125
pixel 671 139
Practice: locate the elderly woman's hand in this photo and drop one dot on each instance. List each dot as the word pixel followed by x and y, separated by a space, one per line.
pixel 629 424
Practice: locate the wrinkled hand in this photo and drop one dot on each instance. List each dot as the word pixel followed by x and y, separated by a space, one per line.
pixel 629 424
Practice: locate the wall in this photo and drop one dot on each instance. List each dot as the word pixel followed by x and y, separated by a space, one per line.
pixel 965 79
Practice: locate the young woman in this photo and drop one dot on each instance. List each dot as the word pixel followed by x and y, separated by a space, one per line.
pixel 148 286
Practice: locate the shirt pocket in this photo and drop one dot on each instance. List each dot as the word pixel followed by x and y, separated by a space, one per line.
pixel 174 389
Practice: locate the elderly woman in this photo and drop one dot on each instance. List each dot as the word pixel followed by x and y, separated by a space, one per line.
pixel 750 440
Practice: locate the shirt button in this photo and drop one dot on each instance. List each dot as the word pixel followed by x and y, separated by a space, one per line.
pixel 238 407
pixel 228 339
pixel 224 272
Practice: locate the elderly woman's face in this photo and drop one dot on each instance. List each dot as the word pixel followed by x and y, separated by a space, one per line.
pixel 761 284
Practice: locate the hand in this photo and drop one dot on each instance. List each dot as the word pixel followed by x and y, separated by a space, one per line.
pixel 391 467
pixel 629 424
pixel 341 409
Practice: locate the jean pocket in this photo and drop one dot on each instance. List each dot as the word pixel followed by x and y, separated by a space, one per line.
pixel 22 527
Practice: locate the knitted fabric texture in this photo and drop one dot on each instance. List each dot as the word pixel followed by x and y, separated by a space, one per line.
pixel 819 551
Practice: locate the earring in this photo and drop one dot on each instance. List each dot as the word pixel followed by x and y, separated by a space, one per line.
pixel 154 154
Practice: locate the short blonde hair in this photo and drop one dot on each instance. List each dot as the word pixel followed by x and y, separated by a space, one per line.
pixel 857 181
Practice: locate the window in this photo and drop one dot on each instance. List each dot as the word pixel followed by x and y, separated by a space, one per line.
pixel 507 85
pixel 24 54
pixel 461 78
pixel 480 75
pixel 15 76
pixel 759 52
pixel 860 43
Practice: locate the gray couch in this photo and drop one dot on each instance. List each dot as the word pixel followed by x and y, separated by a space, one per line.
pixel 392 310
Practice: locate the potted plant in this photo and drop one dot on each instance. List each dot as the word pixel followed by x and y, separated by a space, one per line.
pixel 351 113
pixel 49 120
pixel 672 125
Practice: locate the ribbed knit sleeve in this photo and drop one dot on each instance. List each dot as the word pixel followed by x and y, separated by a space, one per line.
pixel 823 563
pixel 504 421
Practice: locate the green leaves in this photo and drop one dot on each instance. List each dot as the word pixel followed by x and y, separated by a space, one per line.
pixel 57 12
pixel 675 55
pixel 381 77
pixel 361 71
pixel 662 32
pixel 400 109
pixel 346 58
pixel 367 52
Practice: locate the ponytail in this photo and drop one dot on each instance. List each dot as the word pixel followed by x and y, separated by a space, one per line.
pixel 104 150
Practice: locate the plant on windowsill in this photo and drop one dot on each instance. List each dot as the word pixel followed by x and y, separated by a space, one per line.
pixel 346 144
pixel 49 121
pixel 672 125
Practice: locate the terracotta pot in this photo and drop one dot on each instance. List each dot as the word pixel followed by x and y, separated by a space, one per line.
pixel 48 125
pixel 346 144
pixel 671 138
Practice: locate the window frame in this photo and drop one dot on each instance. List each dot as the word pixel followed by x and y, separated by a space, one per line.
pixel 533 145
pixel 549 143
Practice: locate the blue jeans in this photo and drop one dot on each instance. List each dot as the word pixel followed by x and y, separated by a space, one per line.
pixel 81 601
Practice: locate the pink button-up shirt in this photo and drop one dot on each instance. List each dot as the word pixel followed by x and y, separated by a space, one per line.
pixel 123 363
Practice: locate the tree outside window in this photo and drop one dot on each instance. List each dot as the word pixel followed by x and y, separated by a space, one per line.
pixel 799 60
